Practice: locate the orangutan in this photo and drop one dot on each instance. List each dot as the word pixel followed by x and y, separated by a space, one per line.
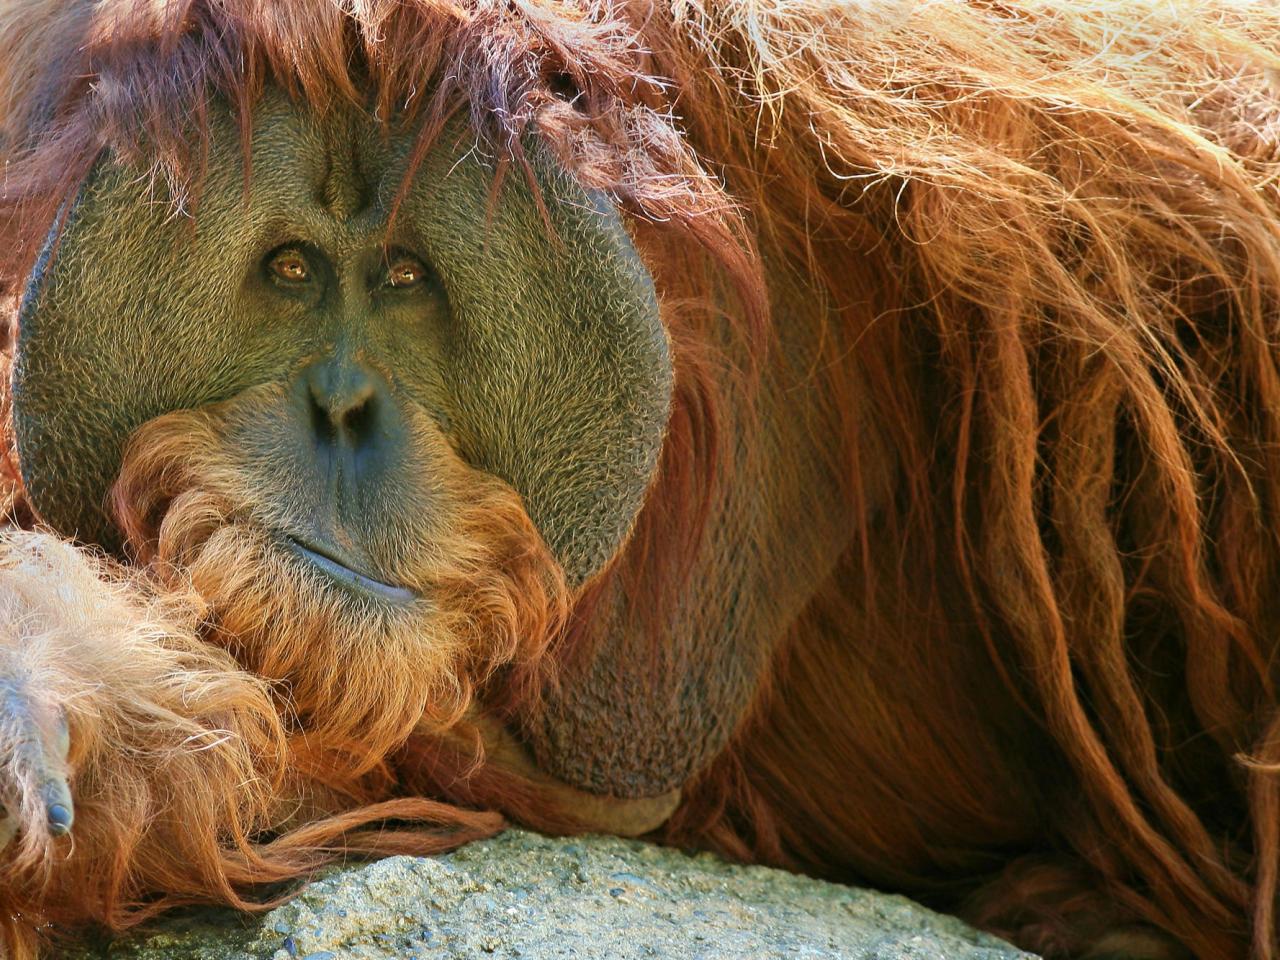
pixel 843 436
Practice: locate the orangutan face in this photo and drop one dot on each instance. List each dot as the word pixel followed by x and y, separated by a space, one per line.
pixel 391 426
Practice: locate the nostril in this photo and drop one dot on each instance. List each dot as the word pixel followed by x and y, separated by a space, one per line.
pixel 322 427
pixel 343 405
pixel 358 420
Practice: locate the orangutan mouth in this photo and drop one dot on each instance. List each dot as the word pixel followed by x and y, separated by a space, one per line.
pixel 330 561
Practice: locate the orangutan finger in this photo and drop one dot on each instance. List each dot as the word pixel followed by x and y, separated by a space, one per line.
pixel 38 741
pixel 58 806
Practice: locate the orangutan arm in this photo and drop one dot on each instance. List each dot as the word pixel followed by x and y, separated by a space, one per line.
pixel 117 716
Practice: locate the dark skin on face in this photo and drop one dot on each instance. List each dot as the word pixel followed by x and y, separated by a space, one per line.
pixel 343 405
pixel 561 392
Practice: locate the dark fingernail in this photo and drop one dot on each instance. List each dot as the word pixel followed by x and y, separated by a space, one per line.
pixel 59 819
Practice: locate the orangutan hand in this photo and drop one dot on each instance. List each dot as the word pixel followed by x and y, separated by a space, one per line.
pixel 34 742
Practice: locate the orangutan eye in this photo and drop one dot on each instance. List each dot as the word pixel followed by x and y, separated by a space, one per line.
pixel 405 270
pixel 290 265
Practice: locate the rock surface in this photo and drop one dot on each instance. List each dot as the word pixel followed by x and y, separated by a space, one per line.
pixel 529 897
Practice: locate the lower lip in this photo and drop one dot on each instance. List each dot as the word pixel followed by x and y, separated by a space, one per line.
pixel 350 578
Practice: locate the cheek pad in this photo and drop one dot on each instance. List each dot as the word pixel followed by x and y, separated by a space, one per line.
pixel 108 338
pixel 558 363
pixel 136 309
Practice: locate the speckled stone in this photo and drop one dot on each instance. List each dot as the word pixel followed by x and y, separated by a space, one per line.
pixel 524 896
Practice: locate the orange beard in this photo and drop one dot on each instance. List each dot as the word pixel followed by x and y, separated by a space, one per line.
pixel 357 676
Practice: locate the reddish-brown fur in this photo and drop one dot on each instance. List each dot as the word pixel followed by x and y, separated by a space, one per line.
pixel 1048 250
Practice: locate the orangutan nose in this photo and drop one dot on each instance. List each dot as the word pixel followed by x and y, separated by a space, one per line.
pixel 347 403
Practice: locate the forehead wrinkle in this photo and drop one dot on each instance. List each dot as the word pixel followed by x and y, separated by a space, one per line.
pixel 345 190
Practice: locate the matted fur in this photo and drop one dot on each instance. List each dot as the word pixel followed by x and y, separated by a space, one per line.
pixel 1049 234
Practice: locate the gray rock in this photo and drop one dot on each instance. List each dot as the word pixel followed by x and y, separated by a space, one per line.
pixel 524 896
